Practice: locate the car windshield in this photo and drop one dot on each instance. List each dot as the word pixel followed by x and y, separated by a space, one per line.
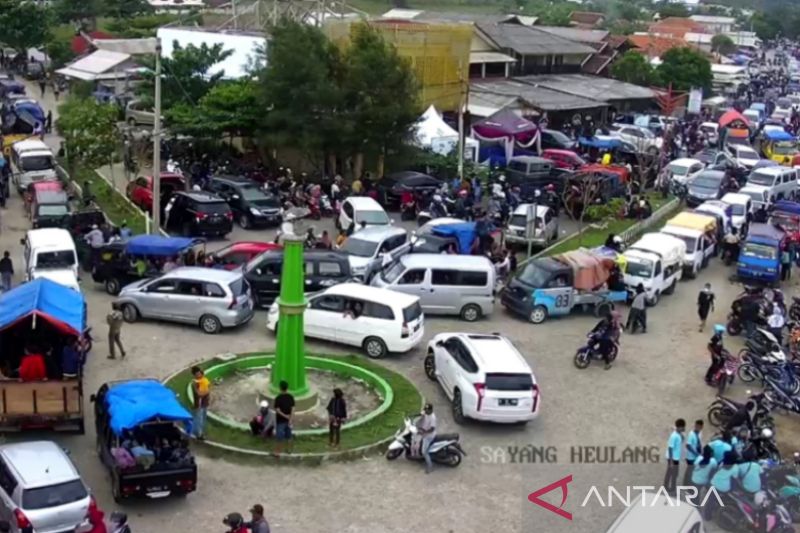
pixel 212 207
pixel 509 382
pixel 239 287
pixel 737 210
pixel 638 267
pixel 761 178
pixel 56 259
pixel 678 170
pixel 412 312
pixel 360 248
pixel 53 495
pixel 266 201
pixel 706 183
pixel 33 163
pixel 746 153
pixel 784 148
pixel 708 129
pixel 759 251
pixel 252 193
pixel 372 217
pixel 559 137
pixel 690 241
pixel 391 274
pixel 52 210
pixel 534 275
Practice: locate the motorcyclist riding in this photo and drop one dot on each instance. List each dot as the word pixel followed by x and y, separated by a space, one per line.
pixel 235 522
pixel 437 208
pixel 717 352
pixel 605 333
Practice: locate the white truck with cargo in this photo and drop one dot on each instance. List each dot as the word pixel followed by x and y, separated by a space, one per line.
pixel 656 262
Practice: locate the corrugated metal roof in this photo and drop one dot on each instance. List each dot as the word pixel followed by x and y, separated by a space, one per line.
pixel 490 57
pixel 537 96
pixel 527 40
pixel 594 87
pixel 98 62
pixel 576 34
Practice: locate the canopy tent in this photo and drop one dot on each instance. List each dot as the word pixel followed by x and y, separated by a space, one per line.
pixel 32 109
pixel 135 402
pixel 433 133
pixel 731 117
pixel 158 245
pixel 60 306
pixel 777 135
pixel 507 127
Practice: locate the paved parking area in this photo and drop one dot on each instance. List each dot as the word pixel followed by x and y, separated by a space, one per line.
pixel 656 379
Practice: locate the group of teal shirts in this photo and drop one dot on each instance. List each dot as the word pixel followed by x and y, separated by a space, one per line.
pixel 714 473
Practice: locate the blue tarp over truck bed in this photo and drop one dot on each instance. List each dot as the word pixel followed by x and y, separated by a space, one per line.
pixel 135 402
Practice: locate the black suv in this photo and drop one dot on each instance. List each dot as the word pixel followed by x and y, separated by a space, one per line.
pixel 323 269
pixel 197 213
pixel 250 205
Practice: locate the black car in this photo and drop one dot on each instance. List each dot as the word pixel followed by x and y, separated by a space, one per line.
pixel 197 213
pixel 323 269
pixel 558 140
pixel 251 206
pixel 707 185
pixel 397 183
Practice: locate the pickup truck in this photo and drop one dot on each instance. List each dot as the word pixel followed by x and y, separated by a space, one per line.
pixel 139 441
pixel 54 404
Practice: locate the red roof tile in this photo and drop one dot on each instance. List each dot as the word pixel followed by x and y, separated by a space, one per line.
pixel 80 45
pixel 654 45
pixel 586 17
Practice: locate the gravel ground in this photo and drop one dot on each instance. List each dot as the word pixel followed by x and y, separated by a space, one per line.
pixel 657 378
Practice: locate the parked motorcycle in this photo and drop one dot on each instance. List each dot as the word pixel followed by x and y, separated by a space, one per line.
pixel 726 374
pixel 763 514
pixel 445 450
pixel 721 412
pixel 590 351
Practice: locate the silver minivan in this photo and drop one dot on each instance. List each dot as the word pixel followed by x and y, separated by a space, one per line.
pixel 446 284
pixel 41 489
pixel 211 298
pixel 367 246
pixel 521 230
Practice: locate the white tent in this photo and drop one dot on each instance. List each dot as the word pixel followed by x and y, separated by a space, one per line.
pixel 435 134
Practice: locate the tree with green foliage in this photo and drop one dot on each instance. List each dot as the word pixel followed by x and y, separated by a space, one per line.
pixel 633 67
pixel 299 88
pixel 24 24
pixel 82 13
pixel 550 13
pixel 625 10
pixel 671 9
pixel 381 92
pixel 684 68
pixel 89 129
pixel 722 44
pixel 126 9
pixel 227 109
pixel 186 76
pixel 60 52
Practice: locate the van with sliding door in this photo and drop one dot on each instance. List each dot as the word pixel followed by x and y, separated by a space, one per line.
pixel 31 161
pixel 655 261
pixel 50 253
pixel 446 284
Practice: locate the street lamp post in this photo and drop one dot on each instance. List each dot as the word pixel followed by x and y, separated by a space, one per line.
pixel 157 146
pixel 532 217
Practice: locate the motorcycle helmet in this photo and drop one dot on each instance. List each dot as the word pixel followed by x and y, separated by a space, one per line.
pixel 264 404
pixel 766 433
pixel 719 329
pixel 233 520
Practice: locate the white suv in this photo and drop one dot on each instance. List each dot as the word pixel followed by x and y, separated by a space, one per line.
pixel 484 376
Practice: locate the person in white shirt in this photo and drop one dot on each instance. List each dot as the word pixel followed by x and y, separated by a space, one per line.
pixel 776 322
pixel 427 429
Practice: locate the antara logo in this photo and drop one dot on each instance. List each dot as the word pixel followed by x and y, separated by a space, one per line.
pixel 650 496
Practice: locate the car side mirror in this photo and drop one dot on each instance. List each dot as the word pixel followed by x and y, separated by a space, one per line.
pixel 440 344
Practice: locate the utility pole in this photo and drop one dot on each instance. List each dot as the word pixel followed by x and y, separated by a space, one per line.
pixel 461 105
pixel 157 146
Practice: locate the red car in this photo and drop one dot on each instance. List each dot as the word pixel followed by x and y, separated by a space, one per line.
pixel 563 158
pixel 140 190
pixel 239 253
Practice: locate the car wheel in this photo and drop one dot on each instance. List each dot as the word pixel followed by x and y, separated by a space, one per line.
pixel 210 324
pixel 538 314
pixel 470 313
pixel 132 122
pixel 130 313
pixel 458 408
pixel 375 348
pixel 112 286
pixel 244 221
pixel 654 300
pixel 430 367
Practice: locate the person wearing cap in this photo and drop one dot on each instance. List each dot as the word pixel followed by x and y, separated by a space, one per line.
pixel 258 524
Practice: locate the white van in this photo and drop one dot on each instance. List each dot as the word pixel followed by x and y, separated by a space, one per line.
pixel 378 320
pixel 31 161
pixel 656 262
pixel 656 512
pixel 741 204
pixel 50 253
pixel 445 284
pixel 361 209
pixel 779 183
pixel 546 226
pixel 699 248
pixel 759 196
pixel 719 210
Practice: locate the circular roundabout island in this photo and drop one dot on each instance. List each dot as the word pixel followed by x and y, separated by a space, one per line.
pixel 377 399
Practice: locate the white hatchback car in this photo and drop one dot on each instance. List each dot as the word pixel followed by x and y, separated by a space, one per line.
pixel 484 377
pixel 378 320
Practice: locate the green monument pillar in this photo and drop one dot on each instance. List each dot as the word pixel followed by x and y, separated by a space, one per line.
pixel 290 354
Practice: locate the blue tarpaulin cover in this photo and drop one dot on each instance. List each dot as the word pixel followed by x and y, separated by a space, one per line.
pixel 465 232
pixel 764 231
pixel 778 135
pixel 157 245
pixel 135 402
pixel 785 206
pixel 600 144
pixel 60 306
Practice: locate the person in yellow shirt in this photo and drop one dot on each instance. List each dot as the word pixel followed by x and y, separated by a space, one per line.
pixel 201 393
pixel 607 159
pixel 357 186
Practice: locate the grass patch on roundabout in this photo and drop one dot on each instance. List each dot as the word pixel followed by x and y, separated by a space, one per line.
pixel 407 400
